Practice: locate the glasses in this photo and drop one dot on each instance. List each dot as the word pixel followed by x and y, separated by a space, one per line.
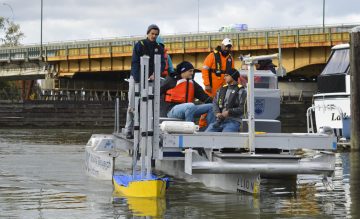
pixel 228 46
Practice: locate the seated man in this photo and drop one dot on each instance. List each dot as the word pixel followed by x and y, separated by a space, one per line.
pixel 180 92
pixel 229 105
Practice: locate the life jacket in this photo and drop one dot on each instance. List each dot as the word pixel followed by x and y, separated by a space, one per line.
pixel 166 70
pixel 230 101
pixel 183 92
pixel 202 121
pixel 145 50
pixel 218 70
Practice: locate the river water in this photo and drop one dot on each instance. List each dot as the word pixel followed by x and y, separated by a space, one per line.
pixel 42 176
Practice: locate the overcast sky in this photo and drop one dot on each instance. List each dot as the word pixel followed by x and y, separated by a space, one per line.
pixel 92 19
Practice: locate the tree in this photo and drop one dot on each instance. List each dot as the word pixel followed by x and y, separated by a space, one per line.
pixel 10 33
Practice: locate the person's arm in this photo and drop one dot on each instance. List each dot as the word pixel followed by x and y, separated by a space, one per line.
pixel 135 63
pixel 239 110
pixel 168 84
pixel 200 94
pixel 171 67
pixel 163 64
pixel 216 108
pixel 209 61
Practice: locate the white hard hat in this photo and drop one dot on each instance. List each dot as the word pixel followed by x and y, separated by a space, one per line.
pixel 226 42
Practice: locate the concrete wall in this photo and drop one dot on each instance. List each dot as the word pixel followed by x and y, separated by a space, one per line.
pixel 60 114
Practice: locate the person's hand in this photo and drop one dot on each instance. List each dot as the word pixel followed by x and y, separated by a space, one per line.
pixel 225 113
pixel 152 77
pixel 219 116
pixel 208 88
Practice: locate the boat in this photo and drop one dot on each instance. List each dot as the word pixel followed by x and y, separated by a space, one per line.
pixel 143 207
pixel 137 186
pixel 230 162
pixel 331 106
pixel 100 156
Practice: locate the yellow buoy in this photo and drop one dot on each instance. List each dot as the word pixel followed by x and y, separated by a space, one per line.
pixel 153 207
pixel 149 188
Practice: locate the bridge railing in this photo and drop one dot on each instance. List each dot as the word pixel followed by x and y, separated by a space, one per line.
pixel 202 42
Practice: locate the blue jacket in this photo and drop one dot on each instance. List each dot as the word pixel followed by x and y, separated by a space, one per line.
pixel 160 41
pixel 146 47
pixel 171 67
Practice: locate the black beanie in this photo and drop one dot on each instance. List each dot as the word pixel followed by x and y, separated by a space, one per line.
pixel 185 66
pixel 152 27
pixel 234 74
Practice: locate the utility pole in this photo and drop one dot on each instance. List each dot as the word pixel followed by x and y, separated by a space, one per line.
pixel 355 118
pixel 323 16
pixel 355 86
pixel 198 16
pixel 41 30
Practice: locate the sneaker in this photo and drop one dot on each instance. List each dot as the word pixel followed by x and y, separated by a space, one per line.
pixel 129 135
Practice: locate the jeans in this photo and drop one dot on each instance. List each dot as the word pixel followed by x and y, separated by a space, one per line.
pixel 188 111
pixel 228 125
pixel 129 126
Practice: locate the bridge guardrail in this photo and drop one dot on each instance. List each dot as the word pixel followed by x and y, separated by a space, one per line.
pixel 201 42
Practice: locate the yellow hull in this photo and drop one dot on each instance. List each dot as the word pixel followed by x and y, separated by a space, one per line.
pixel 153 207
pixel 144 189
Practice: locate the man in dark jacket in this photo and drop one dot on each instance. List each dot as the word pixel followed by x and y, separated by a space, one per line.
pixel 148 47
pixel 180 92
pixel 229 105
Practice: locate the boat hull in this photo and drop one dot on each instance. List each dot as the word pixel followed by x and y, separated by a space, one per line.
pixel 98 164
pixel 331 117
pixel 143 188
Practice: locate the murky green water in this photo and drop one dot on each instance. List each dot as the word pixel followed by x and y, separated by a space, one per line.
pixel 42 176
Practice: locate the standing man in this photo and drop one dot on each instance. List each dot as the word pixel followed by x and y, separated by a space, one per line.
pixel 180 92
pixel 229 105
pixel 148 47
pixel 216 64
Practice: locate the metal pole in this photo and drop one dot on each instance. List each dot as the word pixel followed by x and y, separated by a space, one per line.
pixel 250 61
pixel 117 115
pixel 150 128
pixel 41 29
pixel 136 128
pixel 355 87
pixel 251 114
pixel 144 85
pixel 156 122
pixel 198 16
pixel 281 73
pixel 323 16
pixel 12 11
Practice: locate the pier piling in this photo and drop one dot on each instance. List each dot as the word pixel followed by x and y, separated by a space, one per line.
pixel 355 86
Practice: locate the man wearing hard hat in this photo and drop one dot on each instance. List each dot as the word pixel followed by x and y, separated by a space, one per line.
pixel 216 64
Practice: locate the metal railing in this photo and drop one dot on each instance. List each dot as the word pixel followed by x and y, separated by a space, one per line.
pixel 82 95
pixel 295 35
pixel 309 115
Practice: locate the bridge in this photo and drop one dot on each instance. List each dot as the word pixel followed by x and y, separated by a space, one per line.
pixel 304 49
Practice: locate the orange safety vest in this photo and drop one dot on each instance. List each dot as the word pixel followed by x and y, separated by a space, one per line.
pixel 202 121
pixel 215 66
pixel 183 92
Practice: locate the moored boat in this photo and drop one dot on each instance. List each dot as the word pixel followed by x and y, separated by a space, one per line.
pixel 332 102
